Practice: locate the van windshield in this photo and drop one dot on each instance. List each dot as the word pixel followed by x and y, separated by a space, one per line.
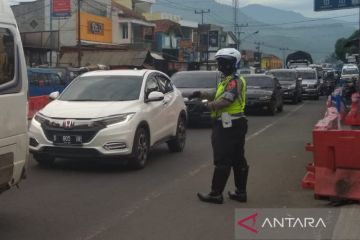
pixel 307 75
pixel 284 76
pixel 349 71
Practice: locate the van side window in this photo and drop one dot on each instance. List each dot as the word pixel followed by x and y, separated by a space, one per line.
pixel 7 56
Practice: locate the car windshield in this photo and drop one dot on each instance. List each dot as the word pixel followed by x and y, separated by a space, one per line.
pixel 284 76
pixel 262 82
pixel 195 79
pixel 103 88
pixel 307 75
pixel 350 71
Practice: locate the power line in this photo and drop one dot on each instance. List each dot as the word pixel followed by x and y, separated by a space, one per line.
pixel 202 12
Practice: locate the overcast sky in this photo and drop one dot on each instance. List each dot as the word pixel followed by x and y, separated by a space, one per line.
pixel 305 7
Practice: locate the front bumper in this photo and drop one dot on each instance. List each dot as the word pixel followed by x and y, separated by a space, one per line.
pixel 309 92
pixel 95 147
pixel 258 105
pixel 198 112
pixel 289 94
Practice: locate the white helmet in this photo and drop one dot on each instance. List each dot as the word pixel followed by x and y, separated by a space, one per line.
pixel 229 52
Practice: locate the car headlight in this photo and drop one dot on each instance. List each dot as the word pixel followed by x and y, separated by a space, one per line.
pixel 122 118
pixel 265 98
pixel 40 118
pixel 292 86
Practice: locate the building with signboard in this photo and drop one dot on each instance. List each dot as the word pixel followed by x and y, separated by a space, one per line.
pixel 103 24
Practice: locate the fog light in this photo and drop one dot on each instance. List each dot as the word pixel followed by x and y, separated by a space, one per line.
pixel 33 142
pixel 114 146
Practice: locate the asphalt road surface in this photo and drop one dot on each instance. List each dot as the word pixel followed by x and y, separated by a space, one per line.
pixel 95 200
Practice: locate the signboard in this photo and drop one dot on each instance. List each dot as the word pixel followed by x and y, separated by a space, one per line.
pixel 327 5
pixel 213 39
pixel 96 28
pixel 61 8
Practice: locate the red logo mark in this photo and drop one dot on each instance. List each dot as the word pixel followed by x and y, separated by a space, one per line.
pixel 241 223
pixel 231 85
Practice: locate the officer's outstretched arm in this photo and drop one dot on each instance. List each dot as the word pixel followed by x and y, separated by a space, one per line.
pixel 219 104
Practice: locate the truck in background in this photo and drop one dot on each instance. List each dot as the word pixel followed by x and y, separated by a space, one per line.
pixel 13 102
pixel 299 59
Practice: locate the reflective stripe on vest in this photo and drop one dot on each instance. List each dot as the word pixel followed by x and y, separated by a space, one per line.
pixel 236 107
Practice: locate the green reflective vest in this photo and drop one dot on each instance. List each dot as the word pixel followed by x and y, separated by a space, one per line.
pixel 236 107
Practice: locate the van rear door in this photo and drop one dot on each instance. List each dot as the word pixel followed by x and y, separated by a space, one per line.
pixel 13 102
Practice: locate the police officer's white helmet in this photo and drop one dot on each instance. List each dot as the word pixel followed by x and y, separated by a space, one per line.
pixel 229 53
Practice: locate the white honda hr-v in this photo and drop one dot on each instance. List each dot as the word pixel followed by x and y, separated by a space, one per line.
pixel 118 114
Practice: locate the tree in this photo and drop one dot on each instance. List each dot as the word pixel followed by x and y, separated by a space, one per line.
pixel 347 45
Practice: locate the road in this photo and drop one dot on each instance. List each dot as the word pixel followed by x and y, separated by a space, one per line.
pixel 94 200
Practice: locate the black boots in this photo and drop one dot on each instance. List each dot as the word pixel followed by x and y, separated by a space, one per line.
pixel 238 196
pixel 240 177
pixel 220 177
pixel 221 174
pixel 211 198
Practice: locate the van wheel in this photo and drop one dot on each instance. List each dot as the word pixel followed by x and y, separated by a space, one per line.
pixel 140 150
pixel 44 160
pixel 178 143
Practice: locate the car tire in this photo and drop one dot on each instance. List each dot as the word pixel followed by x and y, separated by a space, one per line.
pixel 295 100
pixel 272 109
pixel 44 160
pixel 280 108
pixel 317 97
pixel 140 150
pixel 178 143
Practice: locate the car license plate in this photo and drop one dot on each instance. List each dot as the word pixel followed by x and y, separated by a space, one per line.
pixel 67 139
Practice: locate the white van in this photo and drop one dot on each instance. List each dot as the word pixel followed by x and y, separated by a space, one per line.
pixel 13 101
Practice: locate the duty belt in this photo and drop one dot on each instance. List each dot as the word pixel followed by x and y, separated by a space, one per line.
pixel 234 116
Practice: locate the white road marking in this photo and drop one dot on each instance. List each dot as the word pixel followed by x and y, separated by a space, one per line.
pixel 152 196
pixel 257 133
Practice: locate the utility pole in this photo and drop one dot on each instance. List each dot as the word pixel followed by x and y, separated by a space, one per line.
pixel 236 5
pixel 51 34
pixel 202 12
pixel 239 33
pixel 79 35
pixel 284 55
pixel 258 45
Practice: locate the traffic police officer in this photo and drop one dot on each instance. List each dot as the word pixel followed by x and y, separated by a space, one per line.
pixel 229 129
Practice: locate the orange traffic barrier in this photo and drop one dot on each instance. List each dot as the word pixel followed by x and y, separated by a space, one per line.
pixel 36 103
pixel 335 171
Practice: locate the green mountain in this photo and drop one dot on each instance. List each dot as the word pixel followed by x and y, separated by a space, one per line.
pixel 277 28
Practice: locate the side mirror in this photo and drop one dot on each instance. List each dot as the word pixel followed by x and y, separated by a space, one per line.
pixel 54 95
pixel 155 96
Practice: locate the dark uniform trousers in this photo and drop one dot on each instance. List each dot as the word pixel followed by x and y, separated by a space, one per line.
pixel 228 149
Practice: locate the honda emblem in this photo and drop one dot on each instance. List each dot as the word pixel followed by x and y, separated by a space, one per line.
pixel 67 124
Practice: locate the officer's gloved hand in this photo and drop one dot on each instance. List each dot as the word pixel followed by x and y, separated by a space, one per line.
pixel 196 94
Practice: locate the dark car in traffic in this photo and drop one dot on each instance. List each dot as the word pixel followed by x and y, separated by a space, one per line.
pixel 263 94
pixel 190 81
pixel 311 85
pixel 290 83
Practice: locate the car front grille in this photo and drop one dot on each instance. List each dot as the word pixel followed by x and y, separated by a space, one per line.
pixel 87 132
